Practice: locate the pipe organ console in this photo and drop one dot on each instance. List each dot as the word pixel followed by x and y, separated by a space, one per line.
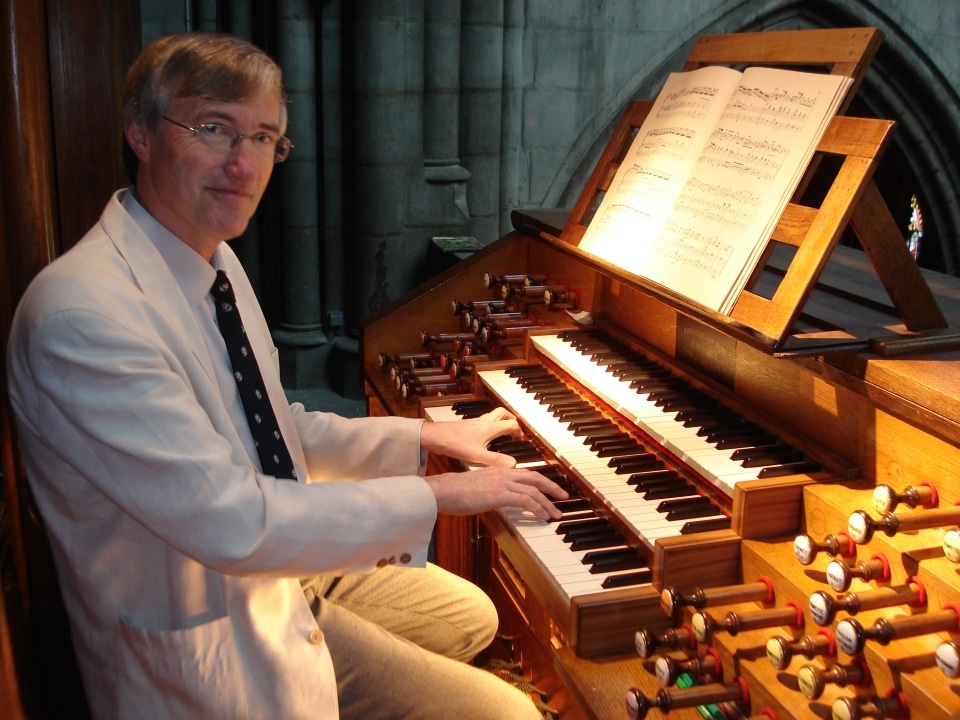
pixel 747 535
pixel 764 511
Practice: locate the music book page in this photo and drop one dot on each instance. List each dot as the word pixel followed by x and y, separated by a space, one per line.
pixel 708 175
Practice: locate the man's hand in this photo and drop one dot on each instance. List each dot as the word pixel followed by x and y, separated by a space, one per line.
pixel 468 493
pixel 468 439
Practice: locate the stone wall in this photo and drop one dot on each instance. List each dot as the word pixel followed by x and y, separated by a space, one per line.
pixel 541 84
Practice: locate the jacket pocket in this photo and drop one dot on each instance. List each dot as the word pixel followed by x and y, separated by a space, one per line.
pixel 192 673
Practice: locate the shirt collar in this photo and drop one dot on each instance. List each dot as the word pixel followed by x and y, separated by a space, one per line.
pixel 193 274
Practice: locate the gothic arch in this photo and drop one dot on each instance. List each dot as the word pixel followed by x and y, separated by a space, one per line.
pixel 901 84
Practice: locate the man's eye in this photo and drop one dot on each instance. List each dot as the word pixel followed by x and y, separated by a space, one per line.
pixel 264 139
pixel 213 130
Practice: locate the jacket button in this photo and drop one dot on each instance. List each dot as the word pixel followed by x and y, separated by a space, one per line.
pixel 316 636
pixel 405 558
pixel 381 563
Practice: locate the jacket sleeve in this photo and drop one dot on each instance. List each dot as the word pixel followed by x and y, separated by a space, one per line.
pixel 336 447
pixel 113 415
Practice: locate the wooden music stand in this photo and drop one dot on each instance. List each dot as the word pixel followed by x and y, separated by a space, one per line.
pixel 767 310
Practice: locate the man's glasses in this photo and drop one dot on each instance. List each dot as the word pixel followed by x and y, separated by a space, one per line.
pixel 222 139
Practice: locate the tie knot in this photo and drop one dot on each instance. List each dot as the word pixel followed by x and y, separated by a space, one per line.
pixel 222 290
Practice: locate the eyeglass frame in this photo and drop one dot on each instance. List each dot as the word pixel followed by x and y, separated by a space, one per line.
pixel 281 142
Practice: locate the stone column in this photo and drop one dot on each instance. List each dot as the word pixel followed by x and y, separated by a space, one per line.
pixel 383 54
pixel 299 332
pixel 441 93
pixel 481 107
pixel 511 128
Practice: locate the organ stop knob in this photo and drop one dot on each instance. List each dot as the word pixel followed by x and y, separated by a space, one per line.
pixel 886 499
pixel 861 526
pixel 824 608
pixel 672 600
pixel 840 575
pixel 948 659
pixel 638 705
pixel 852 636
pixel 668 668
pixel 705 626
pixel 806 548
pixel 781 650
pixel 894 705
pixel 813 680
pixel 646 642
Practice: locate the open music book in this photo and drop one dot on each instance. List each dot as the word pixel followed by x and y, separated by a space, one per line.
pixel 695 201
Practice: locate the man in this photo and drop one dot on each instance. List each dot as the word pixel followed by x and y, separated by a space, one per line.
pixel 179 554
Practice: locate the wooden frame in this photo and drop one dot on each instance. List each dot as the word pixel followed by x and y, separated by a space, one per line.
pixel 767 310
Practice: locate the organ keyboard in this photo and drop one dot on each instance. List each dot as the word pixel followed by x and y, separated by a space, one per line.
pixel 642 449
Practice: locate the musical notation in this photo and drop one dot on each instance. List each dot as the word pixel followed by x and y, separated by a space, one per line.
pixel 744 154
pixel 694 250
pixel 728 206
pixel 672 143
pixel 690 102
pixel 779 109
pixel 664 213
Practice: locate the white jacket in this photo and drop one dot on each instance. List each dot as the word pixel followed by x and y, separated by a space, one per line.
pixel 178 561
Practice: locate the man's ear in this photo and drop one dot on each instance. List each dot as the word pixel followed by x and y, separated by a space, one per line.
pixel 137 139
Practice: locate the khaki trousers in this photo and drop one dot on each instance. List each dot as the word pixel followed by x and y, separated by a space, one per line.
pixel 400 639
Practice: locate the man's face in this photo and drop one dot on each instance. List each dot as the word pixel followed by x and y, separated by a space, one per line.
pixel 201 196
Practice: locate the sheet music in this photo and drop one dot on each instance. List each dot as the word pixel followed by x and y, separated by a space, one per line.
pixel 696 199
pixel 661 157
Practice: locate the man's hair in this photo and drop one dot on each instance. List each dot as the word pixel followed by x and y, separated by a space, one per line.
pixel 213 66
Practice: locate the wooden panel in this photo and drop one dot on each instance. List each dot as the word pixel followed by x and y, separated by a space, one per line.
pixel 28 240
pixel 61 64
pixel 843 46
pixel 91 45
pixel 704 560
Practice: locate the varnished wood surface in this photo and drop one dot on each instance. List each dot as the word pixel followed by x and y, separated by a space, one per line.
pixel 61 69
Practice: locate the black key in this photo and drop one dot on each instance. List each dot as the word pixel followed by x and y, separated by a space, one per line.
pixel 653 384
pixel 613 560
pixel 713 413
pixel 644 577
pixel 747 440
pixel 572 504
pixel 613 449
pixel 696 402
pixel 681 503
pixel 653 476
pixel 807 466
pixel 695 526
pixel 636 463
pixel 696 511
pixel 575 517
pixel 717 428
pixel 774 456
pixel 583 418
pixel 585 429
pixel 666 492
pixel 472 408
pixel 565 527
pixel 596 541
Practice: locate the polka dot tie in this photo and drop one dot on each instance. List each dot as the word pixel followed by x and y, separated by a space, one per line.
pixel 274 456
